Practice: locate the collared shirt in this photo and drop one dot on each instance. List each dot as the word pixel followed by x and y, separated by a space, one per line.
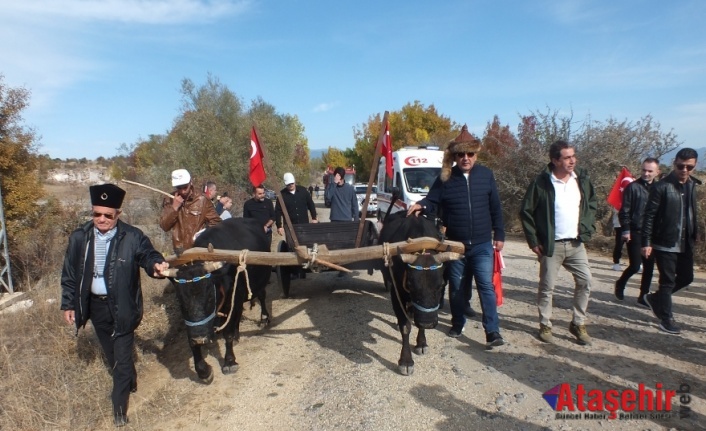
pixel 101 246
pixel 567 206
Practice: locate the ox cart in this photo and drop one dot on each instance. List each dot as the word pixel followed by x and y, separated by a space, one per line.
pixel 320 238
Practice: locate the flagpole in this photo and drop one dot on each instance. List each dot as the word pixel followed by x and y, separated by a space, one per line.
pixel 373 173
pixel 268 167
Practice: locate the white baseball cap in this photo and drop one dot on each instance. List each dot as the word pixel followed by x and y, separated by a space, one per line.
pixel 180 177
pixel 288 178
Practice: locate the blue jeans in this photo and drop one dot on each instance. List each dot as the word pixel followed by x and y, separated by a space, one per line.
pixel 477 263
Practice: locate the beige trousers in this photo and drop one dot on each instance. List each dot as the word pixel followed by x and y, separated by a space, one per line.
pixel 572 256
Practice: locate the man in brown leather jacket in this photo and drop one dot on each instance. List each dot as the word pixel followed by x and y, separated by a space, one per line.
pixel 186 213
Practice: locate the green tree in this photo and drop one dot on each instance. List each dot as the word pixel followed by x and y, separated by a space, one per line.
pixel 211 138
pixel 413 125
pixel 19 162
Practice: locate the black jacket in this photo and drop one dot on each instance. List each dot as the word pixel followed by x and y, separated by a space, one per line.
pixel 297 205
pixel 470 209
pixel 634 201
pixel 661 221
pixel 129 250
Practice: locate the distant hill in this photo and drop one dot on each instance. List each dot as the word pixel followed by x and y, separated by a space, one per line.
pixel 316 154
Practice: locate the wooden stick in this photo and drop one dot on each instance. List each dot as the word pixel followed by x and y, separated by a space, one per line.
pixel 148 187
pixel 371 180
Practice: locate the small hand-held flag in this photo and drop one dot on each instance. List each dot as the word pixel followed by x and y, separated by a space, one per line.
pixel 257 168
pixel 615 198
pixel 386 150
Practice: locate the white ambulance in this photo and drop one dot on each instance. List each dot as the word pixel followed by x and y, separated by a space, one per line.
pixel 414 171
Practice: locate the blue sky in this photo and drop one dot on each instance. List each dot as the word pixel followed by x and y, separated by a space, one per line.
pixel 106 72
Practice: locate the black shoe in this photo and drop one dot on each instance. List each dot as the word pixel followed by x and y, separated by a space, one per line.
pixel 649 300
pixel 493 339
pixel 455 331
pixel 469 312
pixel 669 326
pixel 641 301
pixel 120 420
pixel 619 291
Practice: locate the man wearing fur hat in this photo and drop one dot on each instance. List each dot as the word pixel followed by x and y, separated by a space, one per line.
pixel 100 281
pixel 557 213
pixel 467 197
pixel 187 213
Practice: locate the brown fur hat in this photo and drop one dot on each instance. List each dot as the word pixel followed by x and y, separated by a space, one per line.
pixel 465 142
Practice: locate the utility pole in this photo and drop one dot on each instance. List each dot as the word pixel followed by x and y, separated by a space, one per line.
pixel 5 275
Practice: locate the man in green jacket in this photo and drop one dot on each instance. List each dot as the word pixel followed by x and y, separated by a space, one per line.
pixel 558 212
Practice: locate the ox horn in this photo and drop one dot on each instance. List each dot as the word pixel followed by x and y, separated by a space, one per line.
pixel 446 256
pixel 212 266
pixel 170 272
pixel 408 258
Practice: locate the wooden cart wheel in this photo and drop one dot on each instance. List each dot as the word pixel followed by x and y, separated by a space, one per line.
pixel 283 273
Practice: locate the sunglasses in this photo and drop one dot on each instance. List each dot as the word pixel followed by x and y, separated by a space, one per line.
pixel 185 186
pixel 106 215
pixel 681 166
pixel 469 154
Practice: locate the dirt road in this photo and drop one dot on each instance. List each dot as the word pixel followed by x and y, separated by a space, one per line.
pixel 329 362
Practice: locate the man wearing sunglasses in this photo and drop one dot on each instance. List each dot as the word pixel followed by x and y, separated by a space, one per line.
pixel 100 281
pixel 669 232
pixel 187 213
pixel 466 196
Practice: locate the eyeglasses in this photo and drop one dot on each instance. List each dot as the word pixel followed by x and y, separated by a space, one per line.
pixel 185 186
pixel 469 154
pixel 681 166
pixel 108 216
pixel 290 184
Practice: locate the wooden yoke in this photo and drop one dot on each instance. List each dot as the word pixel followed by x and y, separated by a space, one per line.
pixel 301 255
pixel 373 173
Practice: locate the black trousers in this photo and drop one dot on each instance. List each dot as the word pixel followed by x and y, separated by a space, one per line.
pixel 636 259
pixel 618 247
pixel 118 351
pixel 676 270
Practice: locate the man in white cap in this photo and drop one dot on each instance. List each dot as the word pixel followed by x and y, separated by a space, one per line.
pixel 297 200
pixel 186 213
pixel 100 281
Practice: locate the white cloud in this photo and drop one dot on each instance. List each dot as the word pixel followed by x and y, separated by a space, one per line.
pixel 132 11
pixel 326 106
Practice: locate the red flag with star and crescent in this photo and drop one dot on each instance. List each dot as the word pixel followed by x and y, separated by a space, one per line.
pixel 386 150
pixel 257 168
pixel 615 198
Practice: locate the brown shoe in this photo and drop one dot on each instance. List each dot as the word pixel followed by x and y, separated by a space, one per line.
pixel 579 331
pixel 545 333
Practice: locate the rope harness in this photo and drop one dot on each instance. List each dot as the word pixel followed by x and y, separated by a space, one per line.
pixel 242 267
pixel 387 259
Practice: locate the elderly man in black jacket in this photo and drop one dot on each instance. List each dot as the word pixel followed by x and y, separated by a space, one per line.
pixel 467 197
pixel 669 227
pixel 100 281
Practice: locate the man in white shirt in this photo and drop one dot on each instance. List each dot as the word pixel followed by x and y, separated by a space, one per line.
pixel 558 212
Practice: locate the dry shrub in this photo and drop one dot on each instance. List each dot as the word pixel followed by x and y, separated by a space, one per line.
pixel 51 379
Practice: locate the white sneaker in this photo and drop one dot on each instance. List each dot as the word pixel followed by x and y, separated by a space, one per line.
pixel 616 267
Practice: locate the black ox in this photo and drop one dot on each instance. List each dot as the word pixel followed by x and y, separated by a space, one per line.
pixel 416 282
pixel 205 290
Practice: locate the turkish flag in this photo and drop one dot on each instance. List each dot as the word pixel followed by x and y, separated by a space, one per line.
pixel 257 169
pixel 386 150
pixel 615 198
